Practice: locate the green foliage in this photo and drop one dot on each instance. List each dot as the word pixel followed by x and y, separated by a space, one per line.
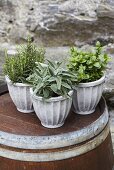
pixel 50 80
pixel 19 66
pixel 88 66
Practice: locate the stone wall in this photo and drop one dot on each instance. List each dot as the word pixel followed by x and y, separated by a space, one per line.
pixel 57 22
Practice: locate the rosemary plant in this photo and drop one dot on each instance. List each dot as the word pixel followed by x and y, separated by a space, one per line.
pixel 19 66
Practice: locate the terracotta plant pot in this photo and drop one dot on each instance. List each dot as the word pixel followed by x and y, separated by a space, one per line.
pixel 52 112
pixel 86 96
pixel 20 95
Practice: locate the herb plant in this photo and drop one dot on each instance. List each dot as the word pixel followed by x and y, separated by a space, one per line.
pixel 88 66
pixel 19 66
pixel 51 80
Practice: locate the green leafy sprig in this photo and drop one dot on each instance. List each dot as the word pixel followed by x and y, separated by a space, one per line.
pixel 88 66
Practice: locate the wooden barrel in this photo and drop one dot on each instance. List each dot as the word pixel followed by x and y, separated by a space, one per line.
pixel 82 143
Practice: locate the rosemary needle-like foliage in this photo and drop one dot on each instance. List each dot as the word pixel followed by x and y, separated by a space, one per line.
pixel 19 66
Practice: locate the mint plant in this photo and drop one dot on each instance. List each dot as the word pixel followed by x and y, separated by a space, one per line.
pixel 51 80
pixel 88 66
pixel 19 66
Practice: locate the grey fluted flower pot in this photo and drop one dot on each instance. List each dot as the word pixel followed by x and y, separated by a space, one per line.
pixel 86 96
pixel 20 95
pixel 52 112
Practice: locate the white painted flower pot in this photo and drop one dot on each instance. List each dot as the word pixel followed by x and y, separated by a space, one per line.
pixel 86 96
pixel 52 112
pixel 20 95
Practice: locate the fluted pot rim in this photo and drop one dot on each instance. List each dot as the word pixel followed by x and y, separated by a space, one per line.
pixel 52 99
pixel 16 84
pixel 93 83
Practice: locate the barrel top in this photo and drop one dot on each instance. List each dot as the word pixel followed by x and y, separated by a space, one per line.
pixel 27 126
pixel 15 122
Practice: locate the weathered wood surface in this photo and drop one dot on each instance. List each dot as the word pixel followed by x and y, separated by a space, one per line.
pixel 99 158
pixel 30 134
pixel 44 155
pixel 82 143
